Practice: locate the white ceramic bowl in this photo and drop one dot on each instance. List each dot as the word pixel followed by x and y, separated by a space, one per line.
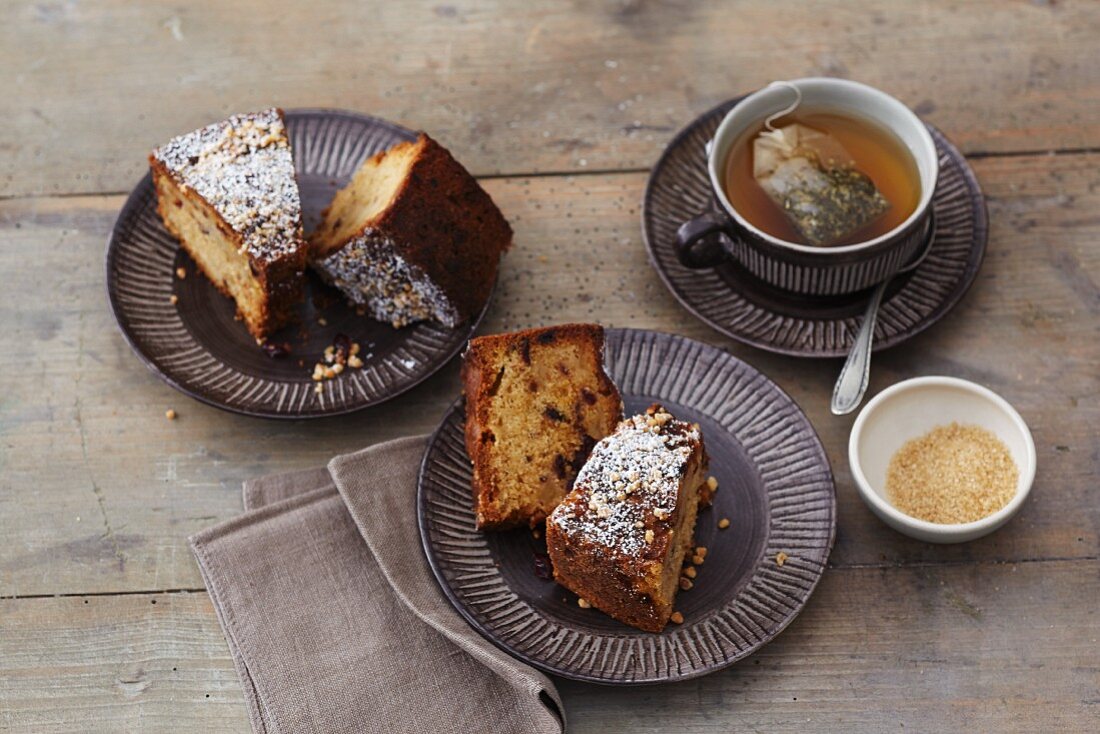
pixel 911 409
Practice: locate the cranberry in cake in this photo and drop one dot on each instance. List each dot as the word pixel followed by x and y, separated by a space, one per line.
pixel 412 237
pixel 619 538
pixel 228 192
pixel 537 401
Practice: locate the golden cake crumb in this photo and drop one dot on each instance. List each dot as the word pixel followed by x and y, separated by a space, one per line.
pixel 676 618
pixel 781 558
pixel 952 474
pixel 723 523
pixel 170 414
pixel 690 572
pixel 701 550
pixel 173 299
pixel 181 273
pixel 697 560
pixel 712 483
pixel 583 604
pixel 685 583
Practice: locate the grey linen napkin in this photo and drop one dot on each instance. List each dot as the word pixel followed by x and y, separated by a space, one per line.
pixel 335 622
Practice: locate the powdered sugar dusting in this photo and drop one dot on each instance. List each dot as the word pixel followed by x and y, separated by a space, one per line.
pixel 370 272
pixel 630 483
pixel 244 168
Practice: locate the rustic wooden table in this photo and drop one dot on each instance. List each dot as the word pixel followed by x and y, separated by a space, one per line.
pixel 561 108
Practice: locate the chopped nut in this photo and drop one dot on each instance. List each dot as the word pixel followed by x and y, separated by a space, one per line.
pixel 337 368
pixel 181 273
pixel 723 523
pixel 660 514
pixel 318 371
pixel 583 604
pixel 690 572
pixel 355 348
pixel 649 536
pixel 701 551
pixel 676 618
pixel 639 524
pixel 712 483
pixel 614 476
pixel 781 558
pixel 319 388
pixel 321 320
pixel 170 414
pixel 329 373
pixel 354 362
pixel 697 560
pixel 685 583
pixel 173 299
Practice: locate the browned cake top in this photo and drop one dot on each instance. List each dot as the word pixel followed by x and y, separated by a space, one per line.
pixel 243 167
pixel 630 483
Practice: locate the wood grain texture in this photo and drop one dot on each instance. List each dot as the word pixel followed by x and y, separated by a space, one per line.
pixel 944 648
pixel 98 491
pixel 513 86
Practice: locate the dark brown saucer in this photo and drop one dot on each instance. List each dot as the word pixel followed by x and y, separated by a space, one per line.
pixel 775 486
pixel 739 305
pixel 198 347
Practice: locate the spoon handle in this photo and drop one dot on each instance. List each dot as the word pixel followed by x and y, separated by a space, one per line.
pixel 856 372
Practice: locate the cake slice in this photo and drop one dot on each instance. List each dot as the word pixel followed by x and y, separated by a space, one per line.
pixel 229 194
pixel 619 538
pixel 537 401
pixel 412 237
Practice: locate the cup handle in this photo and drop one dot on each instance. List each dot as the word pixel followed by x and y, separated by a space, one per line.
pixel 709 252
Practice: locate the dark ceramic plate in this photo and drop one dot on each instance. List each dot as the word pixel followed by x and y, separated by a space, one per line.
pixel 199 348
pixel 739 305
pixel 775 486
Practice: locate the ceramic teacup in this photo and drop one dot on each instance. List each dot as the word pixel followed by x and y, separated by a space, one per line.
pixel 805 269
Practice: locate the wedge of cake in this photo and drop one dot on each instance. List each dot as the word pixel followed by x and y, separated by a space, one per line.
pixel 618 539
pixel 412 237
pixel 229 194
pixel 537 401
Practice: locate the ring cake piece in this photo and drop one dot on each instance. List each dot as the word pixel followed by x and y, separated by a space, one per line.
pixel 537 401
pixel 412 237
pixel 618 539
pixel 229 194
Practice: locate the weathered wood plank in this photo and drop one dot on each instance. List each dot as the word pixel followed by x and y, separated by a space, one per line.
pixel 946 648
pixel 98 491
pixel 514 87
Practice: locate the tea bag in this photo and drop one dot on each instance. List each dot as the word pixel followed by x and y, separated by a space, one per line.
pixel 810 175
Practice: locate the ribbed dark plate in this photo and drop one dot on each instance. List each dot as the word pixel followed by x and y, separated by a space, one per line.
pixel 199 348
pixel 734 302
pixel 775 486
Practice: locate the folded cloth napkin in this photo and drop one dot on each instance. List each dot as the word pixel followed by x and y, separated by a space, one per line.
pixel 335 622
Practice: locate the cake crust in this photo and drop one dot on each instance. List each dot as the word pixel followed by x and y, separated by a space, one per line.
pixel 228 192
pixel 437 226
pixel 537 401
pixel 619 538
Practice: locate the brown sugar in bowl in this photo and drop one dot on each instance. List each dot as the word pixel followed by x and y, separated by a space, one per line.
pixel 910 410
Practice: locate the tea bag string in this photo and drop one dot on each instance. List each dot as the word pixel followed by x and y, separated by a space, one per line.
pixel 786 110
